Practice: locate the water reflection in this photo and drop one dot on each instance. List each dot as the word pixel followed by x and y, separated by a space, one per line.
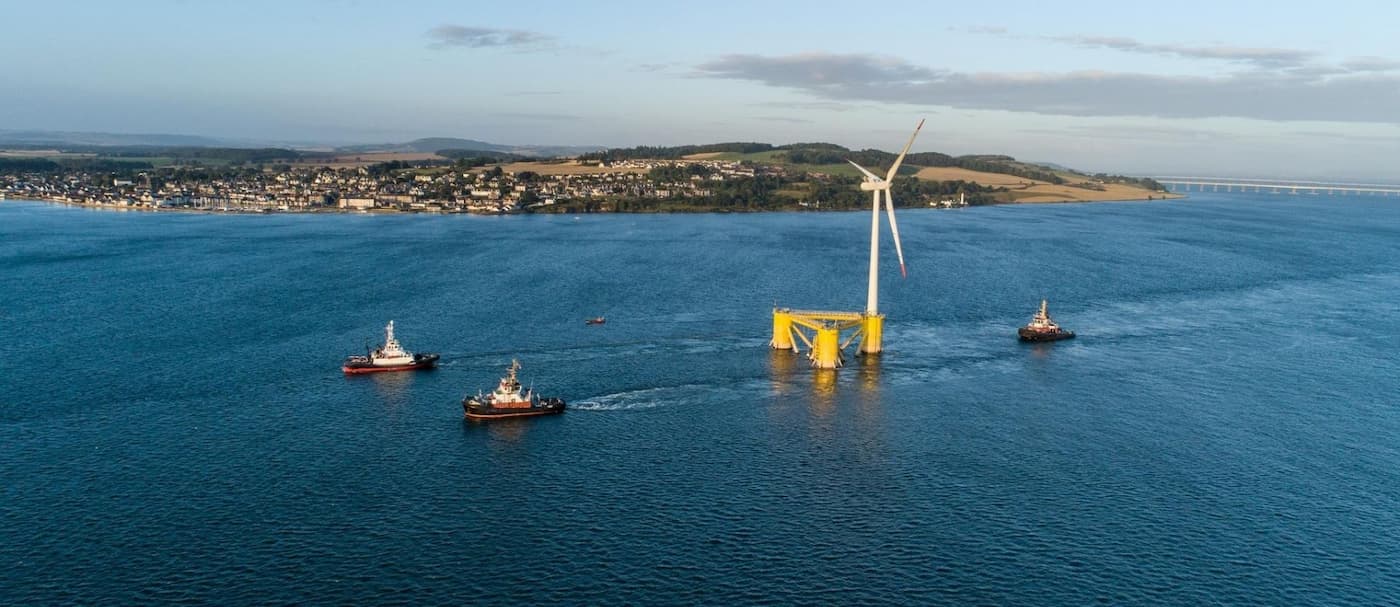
pixel 1041 350
pixel 868 424
pixel 868 374
pixel 787 372
pixel 824 391
pixel 868 380
pixel 843 425
pixel 393 388
pixel 782 370
pixel 504 436
pixel 504 432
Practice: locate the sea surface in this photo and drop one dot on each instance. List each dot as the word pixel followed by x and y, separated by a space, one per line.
pixel 175 428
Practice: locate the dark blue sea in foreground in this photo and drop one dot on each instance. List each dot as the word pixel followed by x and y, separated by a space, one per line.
pixel 175 428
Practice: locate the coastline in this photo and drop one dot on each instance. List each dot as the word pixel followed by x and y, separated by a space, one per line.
pixel 1014 189
pixel 1155 197
pixel 98 206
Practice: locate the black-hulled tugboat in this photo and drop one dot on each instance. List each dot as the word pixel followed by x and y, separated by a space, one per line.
pixel 507 400
pixel 389 357
pixel 1042 328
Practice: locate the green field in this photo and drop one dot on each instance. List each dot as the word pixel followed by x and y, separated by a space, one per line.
pixel 775 157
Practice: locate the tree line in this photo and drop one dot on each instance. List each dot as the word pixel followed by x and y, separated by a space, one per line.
pixel 45 165
pixel 776 193
pixel 818 153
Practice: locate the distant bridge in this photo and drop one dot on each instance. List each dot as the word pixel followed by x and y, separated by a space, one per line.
pixel 1232 184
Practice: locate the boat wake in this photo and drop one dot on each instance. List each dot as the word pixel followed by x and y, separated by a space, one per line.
pixel 646 398
pixel 626 401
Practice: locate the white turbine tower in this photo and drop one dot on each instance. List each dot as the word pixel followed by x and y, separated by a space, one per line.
pixel 875 185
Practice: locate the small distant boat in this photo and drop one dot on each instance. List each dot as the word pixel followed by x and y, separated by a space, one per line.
pixel 507 400
pixel 1041 328
pixel 389 357
pixel 595 321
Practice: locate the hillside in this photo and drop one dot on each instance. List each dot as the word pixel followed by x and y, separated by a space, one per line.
pixel 1011 180
pixel 92 142
pixel 65 139
pixel 1077 188
pixel 431 145
pixel 990 178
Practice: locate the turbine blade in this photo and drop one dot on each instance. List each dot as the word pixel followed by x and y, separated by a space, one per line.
pixel 862 169
pixel 894 229
pixel 900 160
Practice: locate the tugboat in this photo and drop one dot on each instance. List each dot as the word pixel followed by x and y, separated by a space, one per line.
pixel 389 357
pixel 1042 328
pixel 508 401
pixel 595 321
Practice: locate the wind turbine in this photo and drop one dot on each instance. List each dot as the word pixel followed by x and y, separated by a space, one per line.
pixel 825 346
pixel 874 184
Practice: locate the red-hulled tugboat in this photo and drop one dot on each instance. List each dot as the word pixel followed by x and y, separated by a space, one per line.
pixel 508 401
pixel 389 357
pixel 595 321
pixel 1042 328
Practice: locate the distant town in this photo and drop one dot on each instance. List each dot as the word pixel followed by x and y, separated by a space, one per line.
pixel 631 185
pixel 717 178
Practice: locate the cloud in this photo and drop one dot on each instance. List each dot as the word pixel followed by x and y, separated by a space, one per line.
pixel 1265 95
pixel 787 119
pixel 1371 64
pixel 444 36
pixel 1375 138
pixel 537 116
pixel 1259 56
pixel 1138 132
pixel 828 106
pixel 995 30
pixel 653 67
pixel 1263 57
pixel 817 70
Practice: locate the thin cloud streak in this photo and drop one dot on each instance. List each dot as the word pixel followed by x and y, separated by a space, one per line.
pixel 1371 64
pixel 1277 96
pixel 537 116
pixel 996 30
pixel 1260 56
pixel 652 67
pixel 787 119
pixel 826 106
pixel 1144 133
pixel 445 36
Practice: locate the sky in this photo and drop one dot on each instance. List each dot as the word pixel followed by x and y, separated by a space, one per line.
pixel 1262 89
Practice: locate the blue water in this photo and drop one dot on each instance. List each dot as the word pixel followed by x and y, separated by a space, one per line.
pixel 174 426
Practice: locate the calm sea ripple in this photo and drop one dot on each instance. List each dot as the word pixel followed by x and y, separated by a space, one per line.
pixel 1225 430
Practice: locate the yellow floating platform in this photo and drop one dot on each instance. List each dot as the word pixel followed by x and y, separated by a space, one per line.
pixel 824 346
